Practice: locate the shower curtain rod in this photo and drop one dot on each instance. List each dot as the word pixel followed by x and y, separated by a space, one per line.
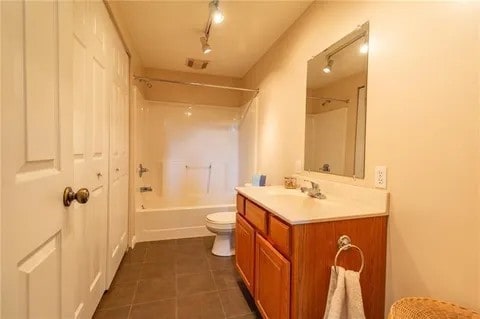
pixel 148 80
pixel 328 98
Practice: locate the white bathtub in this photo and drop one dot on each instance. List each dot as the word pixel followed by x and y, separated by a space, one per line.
pixel 173 222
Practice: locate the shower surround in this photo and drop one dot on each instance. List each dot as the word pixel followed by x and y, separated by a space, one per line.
pixel 191 153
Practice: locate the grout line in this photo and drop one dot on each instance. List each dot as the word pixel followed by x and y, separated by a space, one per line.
pixel 176 308
pixel 153 301
pixel 130 312
pixel 198 293
pixel 221 304
pixel 176 290
pixel 133 298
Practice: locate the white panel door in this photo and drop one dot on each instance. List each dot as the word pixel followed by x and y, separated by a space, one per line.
pixel 90 147
pixel 119 128
pixel 36 157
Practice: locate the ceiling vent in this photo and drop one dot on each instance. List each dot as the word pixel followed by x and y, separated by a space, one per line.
pixel 196 64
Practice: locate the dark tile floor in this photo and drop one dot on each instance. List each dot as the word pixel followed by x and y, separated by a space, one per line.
pixel 176 279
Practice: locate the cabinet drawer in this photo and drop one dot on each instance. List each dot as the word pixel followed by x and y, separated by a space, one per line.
pixel 256 215
pixel 279 235
pixel 240 204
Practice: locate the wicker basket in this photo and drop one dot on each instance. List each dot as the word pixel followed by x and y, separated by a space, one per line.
pixel 419 308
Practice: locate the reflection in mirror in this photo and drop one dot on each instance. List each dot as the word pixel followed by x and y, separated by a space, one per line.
pixel 336 107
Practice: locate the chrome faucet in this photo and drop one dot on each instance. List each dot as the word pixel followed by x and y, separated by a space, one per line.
pixel 314 191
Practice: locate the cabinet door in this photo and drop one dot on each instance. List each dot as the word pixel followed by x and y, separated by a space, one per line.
pixel 272 281
pixel 245 251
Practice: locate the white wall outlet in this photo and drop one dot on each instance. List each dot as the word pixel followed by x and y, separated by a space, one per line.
pixel 381 177
pixel 298 166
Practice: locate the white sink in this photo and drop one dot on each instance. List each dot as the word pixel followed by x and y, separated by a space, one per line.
pixel 286 192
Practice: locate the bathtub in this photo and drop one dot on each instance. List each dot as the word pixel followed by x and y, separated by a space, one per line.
pixel 155 223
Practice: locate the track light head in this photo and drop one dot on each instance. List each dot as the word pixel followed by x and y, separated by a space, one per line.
pixel 216 14
pixel 328 67
pixel 206 48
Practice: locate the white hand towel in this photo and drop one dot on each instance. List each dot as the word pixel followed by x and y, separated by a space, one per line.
pixel 354 295
pixel 344 300
pixel 336 308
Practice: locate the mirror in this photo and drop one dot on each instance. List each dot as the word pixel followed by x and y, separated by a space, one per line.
pixel 336 107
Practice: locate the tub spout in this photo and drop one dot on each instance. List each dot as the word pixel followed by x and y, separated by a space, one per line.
pixel 144 189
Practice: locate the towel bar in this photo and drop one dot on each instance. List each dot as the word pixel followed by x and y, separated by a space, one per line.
pixel 345 243
pixel 198 167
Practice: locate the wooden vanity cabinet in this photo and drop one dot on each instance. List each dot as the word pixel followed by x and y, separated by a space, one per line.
pixel 287 267
pixel 245 251
pixel 272 281
pixel 240 204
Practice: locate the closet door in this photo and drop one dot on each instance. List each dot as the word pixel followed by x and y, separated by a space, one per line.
pixel 118 199
pixel 36 158
pixel 90 154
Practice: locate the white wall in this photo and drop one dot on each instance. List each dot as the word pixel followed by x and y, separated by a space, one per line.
pixel 422 123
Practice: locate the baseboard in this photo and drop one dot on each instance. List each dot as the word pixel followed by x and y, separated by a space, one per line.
pixel 174 233
pixel 133 242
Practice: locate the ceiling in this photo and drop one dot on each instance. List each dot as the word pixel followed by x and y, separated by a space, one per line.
pixel 348 61
pixel 165 33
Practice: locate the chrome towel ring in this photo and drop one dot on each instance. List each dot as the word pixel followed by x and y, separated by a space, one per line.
pixel 345 243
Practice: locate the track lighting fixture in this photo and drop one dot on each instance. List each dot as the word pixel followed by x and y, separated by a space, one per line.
pixel 215 16
pixel 328 67
pixel 206 48
pixel 215 12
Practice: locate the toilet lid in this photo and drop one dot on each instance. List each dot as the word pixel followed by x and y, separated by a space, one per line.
pixel 222 218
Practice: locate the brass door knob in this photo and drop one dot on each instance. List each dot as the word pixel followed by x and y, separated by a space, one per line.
pixel 80 196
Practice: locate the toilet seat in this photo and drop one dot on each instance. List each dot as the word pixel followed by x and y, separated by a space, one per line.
pixel 225 218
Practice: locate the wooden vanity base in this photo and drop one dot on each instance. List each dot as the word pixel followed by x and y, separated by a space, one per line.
pixel 287 267
pixel 315 246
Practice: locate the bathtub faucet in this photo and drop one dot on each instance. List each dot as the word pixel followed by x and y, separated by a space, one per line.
pixel 141 170
pixel 144 189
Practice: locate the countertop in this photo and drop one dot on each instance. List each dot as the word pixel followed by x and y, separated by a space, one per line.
pixel 295 208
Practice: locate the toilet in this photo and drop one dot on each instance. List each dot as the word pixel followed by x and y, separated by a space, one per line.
pixel 223 226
